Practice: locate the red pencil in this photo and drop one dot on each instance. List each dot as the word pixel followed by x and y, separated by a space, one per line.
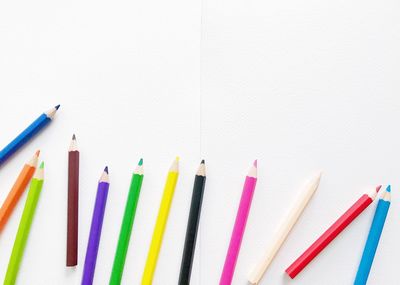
pixel 331 233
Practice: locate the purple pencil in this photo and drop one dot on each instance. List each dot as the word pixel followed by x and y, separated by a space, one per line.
pixel 95 229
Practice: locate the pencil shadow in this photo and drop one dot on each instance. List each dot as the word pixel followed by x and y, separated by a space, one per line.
pixel 286 279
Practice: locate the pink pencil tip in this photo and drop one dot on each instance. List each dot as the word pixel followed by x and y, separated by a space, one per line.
pixel 255 163
pixel 37 152
pixel 378 188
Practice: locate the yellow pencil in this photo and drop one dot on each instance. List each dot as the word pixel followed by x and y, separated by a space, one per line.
pixel 161 222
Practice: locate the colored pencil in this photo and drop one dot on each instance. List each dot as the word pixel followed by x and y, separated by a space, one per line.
pixel 18 189
pixel 73 203
pixel 373 238
pixel 239 227
pixel 127 223
pixel 95 229
pixel 27 134
pixel 285 228
pixel 24 226
pixel 161 222
pixel 331 233
pixel 193 225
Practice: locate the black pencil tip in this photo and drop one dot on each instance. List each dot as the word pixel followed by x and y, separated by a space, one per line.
pixel 58 106
pixel 106 169
pixel 73 137
pixel 202 162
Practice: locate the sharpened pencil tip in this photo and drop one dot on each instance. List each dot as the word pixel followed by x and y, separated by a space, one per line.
pixel 41 165
pixel 140 162
pixel 255 163
pixel 58 106
pixel 378 188
pixel 202 162
pixel 389 189
pixel 37 153
pixel 177 158
pixel 106 169
pixel 73 137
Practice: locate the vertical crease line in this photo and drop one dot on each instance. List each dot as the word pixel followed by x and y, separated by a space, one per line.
pixel 201 124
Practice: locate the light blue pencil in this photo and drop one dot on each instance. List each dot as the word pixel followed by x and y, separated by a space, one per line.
pixel 27 134
pixel 373 238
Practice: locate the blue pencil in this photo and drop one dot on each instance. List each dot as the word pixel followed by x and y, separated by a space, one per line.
pixel 373 238
pixel 27 134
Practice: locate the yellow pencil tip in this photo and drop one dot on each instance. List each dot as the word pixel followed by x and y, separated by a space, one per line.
pixel 177 158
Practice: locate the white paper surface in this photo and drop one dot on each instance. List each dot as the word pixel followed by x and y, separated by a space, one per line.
pixel 301 86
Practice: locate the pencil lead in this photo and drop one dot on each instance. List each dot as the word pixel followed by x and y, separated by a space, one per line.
pixel 388 189
pixel 73 137
pixel 106 169
pixel 255 163
pixel 140 162
pixel 378 188
pixel 41 165
pixel 37 153
pixel 58 106
pixel 202 162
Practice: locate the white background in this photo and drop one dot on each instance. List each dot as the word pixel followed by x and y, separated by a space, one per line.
pixel 300 85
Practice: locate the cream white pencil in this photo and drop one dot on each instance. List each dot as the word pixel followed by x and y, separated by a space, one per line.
pixel 285 228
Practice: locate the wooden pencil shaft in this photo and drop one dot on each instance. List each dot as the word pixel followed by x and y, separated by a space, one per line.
pixel 239 226
pixel 73 208
pixel 284 229
pixel 329 235
pixel 159 229
pixel 126 229
pixel 33 129
pixel 17 190
pixel 95 231
pixel 191 231
pixel 23 231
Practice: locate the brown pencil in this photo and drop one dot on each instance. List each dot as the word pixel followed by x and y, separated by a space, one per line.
pixel 73 198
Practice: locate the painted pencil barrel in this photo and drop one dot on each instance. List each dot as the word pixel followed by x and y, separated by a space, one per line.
pixel 23 231
pixel 330 234
pixel 23 137
pixel 73 202
pixel 15 194
pixel 238 231
pixel 156 241
pixel 95 234
pixel 372 242
pixel 126 229
pixel 191 231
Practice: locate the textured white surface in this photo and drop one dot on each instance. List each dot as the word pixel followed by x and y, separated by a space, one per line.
pixel 299 85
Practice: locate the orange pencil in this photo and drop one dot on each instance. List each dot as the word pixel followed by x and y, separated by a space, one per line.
pixel 18 188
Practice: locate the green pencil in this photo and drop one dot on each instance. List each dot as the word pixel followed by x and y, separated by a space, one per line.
pixel 126 227
pixel 24 226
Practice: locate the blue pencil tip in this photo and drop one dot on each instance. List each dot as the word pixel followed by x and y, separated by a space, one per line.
pixel 106 169
pixel 58 106
pixel 388 189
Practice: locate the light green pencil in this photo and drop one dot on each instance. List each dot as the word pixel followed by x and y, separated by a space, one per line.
pixel 126 227
pixel 24 226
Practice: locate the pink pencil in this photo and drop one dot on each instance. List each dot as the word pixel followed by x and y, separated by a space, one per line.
pixel 239 227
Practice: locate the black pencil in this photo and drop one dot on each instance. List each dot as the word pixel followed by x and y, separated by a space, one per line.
pixel 193 225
